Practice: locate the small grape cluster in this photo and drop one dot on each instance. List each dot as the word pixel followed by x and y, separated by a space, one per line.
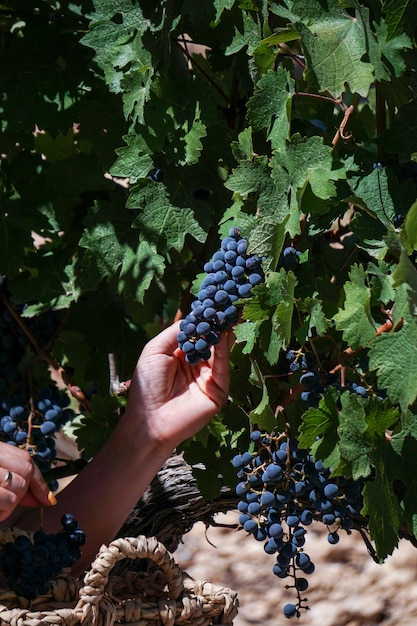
pixel 231 275
pixel 34 429
pixel 314 383
pixel 29 566
pixel 289 258
pixel 282 490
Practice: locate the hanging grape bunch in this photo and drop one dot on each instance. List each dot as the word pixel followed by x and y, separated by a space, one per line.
pixel 28 566
pixel 231 275
pixel 282 490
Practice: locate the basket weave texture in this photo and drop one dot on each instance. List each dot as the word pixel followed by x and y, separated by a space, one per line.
pixel 157 593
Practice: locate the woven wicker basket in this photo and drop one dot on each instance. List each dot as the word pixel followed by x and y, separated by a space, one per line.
pixel 159 593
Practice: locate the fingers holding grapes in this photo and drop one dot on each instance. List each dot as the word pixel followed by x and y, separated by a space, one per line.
pixel 20 481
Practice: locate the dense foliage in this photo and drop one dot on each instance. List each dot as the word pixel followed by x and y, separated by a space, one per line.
pixel 135 134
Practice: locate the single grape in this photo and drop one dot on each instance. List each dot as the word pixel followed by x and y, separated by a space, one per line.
pixel 289 610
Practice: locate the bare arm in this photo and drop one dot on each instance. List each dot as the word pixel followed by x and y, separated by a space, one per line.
pixel 169 401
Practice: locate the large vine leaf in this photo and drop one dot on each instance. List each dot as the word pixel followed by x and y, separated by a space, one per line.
pixel 355 319
pixel 162 223
pixel 394 354
pixel 332 39
pixel 268 108
pixel 116 31
pixel 305 162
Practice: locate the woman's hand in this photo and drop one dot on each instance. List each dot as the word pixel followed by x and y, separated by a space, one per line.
pixel 21 482
pixel 169 401
pixel 174 398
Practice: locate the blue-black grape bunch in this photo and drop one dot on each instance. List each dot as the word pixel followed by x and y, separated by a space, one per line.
pixel 282 490
pixel 314 381
pixel 29 421
pixel 230 276
pixel 33 428
pixel 29 566
pixel 289 258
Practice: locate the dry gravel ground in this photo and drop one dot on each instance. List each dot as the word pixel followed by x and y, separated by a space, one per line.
pixel 347 588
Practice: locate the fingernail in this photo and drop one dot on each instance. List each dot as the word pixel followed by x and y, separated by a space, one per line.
pixel 51 498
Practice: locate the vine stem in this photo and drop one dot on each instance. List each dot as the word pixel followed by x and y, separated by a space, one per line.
pixel 340 133
pixel 182 43
pixel 74 390
pixel 336 101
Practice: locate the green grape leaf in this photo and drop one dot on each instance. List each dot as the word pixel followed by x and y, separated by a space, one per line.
pixel 266 240
pixel 264 57
pixel 269 107
pixel 115 34
pixel 140 267
pixel 105 248
pixel 409 230
pixel 355 319
pixel 404 444
pixel 394 13
pixel 393 355
pixel 253 178
pixel 262 415
pixel 355 444
pixel 399 138
pixel 133 161
pixel 387 54
pixel 382 504
pixel 192 138
pixel 53 284
pixel 277 297
pixel 242 149
pixel 198 452
pixel 222 5
pixel 247 333
pixel 247 34
pixel 406 274
pixel 380 193
pixel 315 322
pixel 319 422
pixel 159 221
pixel 113 248
pixel 306 161
pixel 333 39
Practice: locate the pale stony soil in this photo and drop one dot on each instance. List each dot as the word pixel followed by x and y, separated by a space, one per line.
pixel 347 589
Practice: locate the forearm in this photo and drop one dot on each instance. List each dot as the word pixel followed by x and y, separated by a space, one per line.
pixel 105 492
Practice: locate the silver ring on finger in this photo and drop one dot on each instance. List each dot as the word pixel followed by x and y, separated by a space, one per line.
pixel 7 479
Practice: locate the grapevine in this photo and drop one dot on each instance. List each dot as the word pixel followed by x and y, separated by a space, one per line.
pixel 129 149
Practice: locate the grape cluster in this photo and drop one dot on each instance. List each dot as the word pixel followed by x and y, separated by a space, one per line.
pixel 313 381
pixel 35 429
pixel 289 258
pixel 231 275
pixel 29 566
pixel 282 490
pixel 30 423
